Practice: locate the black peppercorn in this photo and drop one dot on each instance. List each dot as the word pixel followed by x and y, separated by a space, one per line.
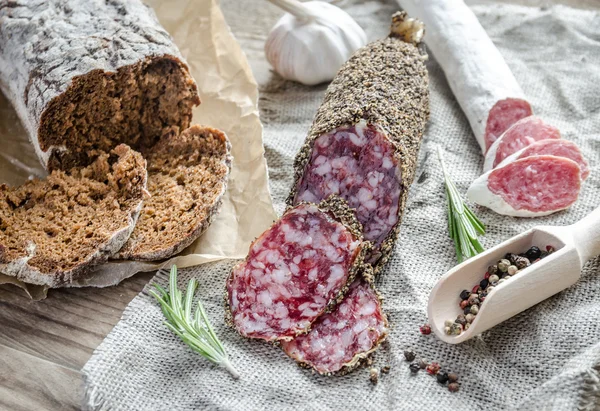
pixel 464 294
pixel 511 257
pixel 522 262
pixel 492 269
pixel 467 310
pixel 409 355
pixel 414 368
pixel 442 377
pixel 484 283
pixel 533 253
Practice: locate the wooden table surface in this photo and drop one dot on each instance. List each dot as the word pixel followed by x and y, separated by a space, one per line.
pixel 44 344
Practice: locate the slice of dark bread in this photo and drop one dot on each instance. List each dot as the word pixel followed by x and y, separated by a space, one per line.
pixel 187 177
pixel 53 230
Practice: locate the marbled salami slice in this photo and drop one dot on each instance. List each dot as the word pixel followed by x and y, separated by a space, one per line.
pixel 364 142
pixel 529 187
pixel 521 134
pixel 558 148
pixel 503 115
pixel 340 339
pixel 296 270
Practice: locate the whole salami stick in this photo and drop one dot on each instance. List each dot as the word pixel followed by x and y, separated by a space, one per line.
pixel 482 82
pixel 364 141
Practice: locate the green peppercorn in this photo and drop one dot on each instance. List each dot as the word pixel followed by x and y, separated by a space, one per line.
pixel 503 265
pixel 467 325
pixel 512 270
pixel 469 317
pixel 456 329
pixel 409 355
pixel 494 279
pixel 474 309
pixel 447 331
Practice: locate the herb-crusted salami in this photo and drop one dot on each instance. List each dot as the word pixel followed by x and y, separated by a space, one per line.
pixel 364 141
pixel 86 75
pixel 340 339
pixel 295 271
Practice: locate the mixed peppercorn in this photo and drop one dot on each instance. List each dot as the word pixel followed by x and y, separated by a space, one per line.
pixel 503 270
pixel 433 369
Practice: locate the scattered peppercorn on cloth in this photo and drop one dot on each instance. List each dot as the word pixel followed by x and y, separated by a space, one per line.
pixel 546 358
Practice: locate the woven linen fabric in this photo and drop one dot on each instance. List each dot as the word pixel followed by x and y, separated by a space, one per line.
pixel 544 358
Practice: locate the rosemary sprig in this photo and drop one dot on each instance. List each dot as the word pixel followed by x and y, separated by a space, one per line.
pixel 463 225
pixel 195 331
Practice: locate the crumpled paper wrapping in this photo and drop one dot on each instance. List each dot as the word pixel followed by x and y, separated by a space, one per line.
pixel 229 102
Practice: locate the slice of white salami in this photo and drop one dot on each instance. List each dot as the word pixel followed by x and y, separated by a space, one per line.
pixel 558 148
pixel 295 271
pixel 339 340
pixel 529 187
pixel 521 134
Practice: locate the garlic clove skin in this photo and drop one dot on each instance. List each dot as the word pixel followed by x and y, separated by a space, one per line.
pixel 311 50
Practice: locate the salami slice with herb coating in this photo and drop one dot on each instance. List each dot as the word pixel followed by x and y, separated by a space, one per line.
pixel 339 340
pixel 364 142
pixel 296 270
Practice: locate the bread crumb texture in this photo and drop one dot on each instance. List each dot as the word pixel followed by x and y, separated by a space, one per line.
pixel 51 230
pixel 187 177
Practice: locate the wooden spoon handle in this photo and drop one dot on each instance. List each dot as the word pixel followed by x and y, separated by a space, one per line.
pixel 586 234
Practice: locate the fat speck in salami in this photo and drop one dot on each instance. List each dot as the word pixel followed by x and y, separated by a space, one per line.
pixel 340 339
pixel 364 141
pixel 296 270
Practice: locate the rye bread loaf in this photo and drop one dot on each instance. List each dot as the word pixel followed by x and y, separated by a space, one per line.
pixel 187 177
pixel 53 230
pixel 87 75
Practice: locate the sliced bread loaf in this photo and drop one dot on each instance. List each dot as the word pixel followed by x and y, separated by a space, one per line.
pixel 87 75
pixel 53 230
pixel 187 177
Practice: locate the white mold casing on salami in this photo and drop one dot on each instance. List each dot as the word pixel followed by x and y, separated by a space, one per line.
pixel 521 134
pixel 476 71
pixel 340 339
pixel 294 271
pixel 552 147
pixel 357 163
pixel 529 187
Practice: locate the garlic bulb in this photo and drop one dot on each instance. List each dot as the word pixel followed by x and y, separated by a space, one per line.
pixel 312 41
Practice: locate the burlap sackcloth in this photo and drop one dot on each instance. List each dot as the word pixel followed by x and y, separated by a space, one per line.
pixel 544 358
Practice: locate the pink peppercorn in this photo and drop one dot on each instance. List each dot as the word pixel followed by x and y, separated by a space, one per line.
pixel 463 304
pixel 475 289
pixel 487 275
pixel 433 368
pixel 425 329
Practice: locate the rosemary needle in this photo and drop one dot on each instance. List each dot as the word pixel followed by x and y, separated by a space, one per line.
pixel 196 330
pixel 463 225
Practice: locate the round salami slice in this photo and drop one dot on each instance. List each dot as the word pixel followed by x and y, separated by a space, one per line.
pixel 529 187
pixel 503 115
pixel 519 135
pixel 357 163
pixel 294 271
pixel 558 148
pixel 340 339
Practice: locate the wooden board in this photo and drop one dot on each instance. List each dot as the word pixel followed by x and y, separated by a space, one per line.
pixel 44 344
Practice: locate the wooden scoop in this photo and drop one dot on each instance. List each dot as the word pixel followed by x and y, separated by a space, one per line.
pixel 574 244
